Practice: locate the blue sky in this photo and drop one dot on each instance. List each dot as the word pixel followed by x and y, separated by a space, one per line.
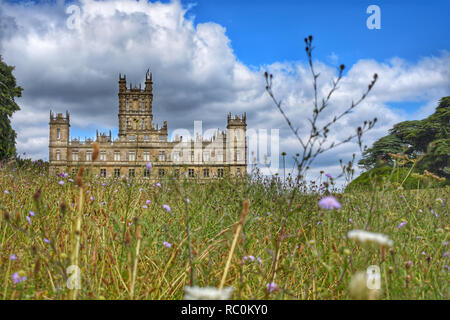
pixel 208 59
pixel 263 31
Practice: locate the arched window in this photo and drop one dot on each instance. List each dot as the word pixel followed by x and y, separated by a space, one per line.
pixel 58 155
pixel 58 134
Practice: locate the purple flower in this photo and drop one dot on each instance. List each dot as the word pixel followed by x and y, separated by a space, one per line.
pixel 268 213
pixel 328 175
pixel 329 203
pixel 61 182
pixel 158 184
pixel 445 254
pixel 17 278
pixel 350 220
pixel 144 206
pixel 13 257
pixel 28 219
pixel 70 180
pixel 251 258
pixel 148 165
pixel 46 240
pixel 271 287
pixel 6 192
pixel 147 202
pixel 259 260
pixel 167 244
pixel 165 206
pixel 401 225
pixel 32 213
pixel 188 201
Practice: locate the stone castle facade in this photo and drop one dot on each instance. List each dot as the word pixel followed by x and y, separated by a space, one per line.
pixel 141 141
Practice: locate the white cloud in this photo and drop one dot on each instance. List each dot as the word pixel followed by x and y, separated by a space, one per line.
pixel 196 75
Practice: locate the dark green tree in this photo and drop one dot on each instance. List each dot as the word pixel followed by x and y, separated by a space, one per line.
pixel 428 138
pixel 8 91
pixel 379 153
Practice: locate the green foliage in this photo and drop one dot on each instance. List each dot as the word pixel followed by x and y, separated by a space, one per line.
pixel 8 91
pixel 380 150
pixel 429 138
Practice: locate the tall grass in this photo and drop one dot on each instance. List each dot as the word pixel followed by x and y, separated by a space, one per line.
pixel 122 255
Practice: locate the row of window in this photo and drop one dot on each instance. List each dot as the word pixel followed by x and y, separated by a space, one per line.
pixel 162 172
pixel 146 156
pixel 146 138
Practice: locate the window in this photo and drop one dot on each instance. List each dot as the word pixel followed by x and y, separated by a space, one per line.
pixel 146 173
pixel 205 156
pixel 161 172
pixel 220 172
pixel 128 123
pixel 131 138
pixel 128 107
pixel 238 135
pixel 58 133
pixel 205 173
pixel 131 156
pixel 176 156
pixel 238 171
pixel 116 155
pixel 176 172
pixel 146 138
pixel 116 173
pixel 192 155
pixel 102 155
pixel 143 124
pixel 143 105
pixel 219 155
pixel 191 173
pixel 162 156
pixel 146 155
pixel 238 155
pixel 58 155
pixel 74 171
pixel 75 155
pixel 131 173
pixel 102 172
pixel 88 155
pixel 162 138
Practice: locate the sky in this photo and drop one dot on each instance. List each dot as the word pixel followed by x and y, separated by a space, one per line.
pixel 208 58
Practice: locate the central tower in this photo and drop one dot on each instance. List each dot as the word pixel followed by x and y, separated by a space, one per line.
pixel 135 107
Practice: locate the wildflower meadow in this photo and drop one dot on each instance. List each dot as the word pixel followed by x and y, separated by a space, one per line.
pixel 85 237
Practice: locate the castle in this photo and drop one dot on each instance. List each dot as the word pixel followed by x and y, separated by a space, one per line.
pixel 141 141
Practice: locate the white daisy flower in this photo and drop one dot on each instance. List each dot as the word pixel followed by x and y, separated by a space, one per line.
pixel 370 238
pixel 207 293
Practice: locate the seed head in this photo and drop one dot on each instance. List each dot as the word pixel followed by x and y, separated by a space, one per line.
pixel 96 150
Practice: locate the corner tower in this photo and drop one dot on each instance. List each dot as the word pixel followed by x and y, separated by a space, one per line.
pixel 237 140
pixel 59 138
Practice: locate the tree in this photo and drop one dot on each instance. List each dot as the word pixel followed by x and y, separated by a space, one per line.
pixel 429 138
pixel 379 152
pixel 8 91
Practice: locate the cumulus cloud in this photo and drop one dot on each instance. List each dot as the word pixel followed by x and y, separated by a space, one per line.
pixel 196 74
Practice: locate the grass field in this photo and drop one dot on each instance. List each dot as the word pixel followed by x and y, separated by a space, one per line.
pixel 133 241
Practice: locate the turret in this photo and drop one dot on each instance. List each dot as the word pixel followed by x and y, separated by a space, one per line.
pixel 59 136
